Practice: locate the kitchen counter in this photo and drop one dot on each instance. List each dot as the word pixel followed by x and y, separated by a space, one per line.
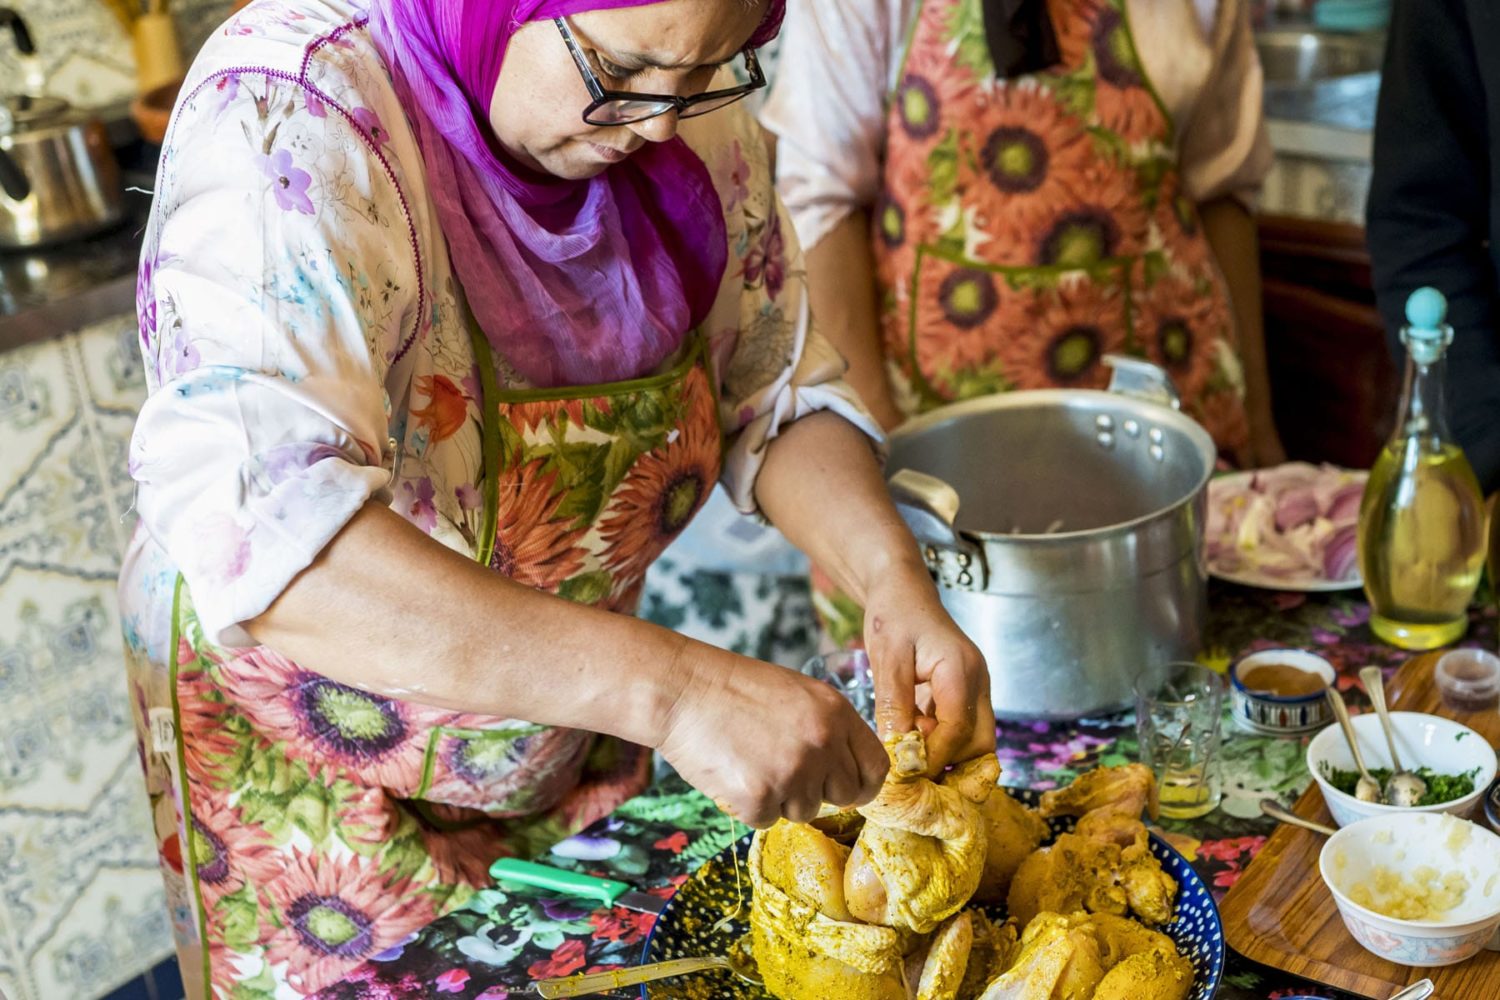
pixel 47 292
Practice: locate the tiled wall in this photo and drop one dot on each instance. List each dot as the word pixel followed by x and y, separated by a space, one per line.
pixel 84 53
pixel 81 907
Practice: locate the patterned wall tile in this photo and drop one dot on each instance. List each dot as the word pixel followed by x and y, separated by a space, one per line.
pixel 84 53
pixel 81 907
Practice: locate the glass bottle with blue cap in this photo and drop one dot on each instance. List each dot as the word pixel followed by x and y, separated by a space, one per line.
pixel 1421 522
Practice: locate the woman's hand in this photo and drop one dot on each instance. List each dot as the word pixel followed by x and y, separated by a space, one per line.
pixel 765 742
pixel 928 675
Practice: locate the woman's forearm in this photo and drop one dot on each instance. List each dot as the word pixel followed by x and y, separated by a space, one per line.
pixel 841 287
pixel 1230 230
pixel 822 486
pixel 387 609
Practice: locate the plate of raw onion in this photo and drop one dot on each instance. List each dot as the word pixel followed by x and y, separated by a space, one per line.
pixel 1291 527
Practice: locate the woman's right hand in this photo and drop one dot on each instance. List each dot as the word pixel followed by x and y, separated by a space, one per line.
pixel 765 742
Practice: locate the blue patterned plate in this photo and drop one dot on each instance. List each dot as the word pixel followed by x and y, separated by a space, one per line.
pixel 685 927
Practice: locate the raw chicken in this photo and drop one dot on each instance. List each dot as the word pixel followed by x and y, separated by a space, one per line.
pixel 1143 964
pixel 938 972
pixel 804 954
pixel 1105 865
pixel 808 865
pixel 1011 833
pixel 1059 959
pixel 994 949
pixel 921 853
pixel 1129 789
pixel 1092 957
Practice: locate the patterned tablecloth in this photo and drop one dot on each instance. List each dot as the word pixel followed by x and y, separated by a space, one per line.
pixel 657 839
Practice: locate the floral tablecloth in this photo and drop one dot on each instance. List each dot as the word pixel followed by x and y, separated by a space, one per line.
pixel 502 940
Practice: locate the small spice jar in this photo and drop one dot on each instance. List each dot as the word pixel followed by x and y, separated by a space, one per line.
pixel 1468 680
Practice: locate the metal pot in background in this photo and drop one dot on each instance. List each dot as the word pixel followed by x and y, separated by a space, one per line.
pixel 1065 531
pixel 59 179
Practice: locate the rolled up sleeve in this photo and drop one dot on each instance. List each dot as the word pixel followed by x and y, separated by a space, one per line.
pixel 775 368
pixel 275 300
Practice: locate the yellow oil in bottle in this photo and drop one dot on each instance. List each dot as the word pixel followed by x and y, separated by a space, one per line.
pixel 1421 542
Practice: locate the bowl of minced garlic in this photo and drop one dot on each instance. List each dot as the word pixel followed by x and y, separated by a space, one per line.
pixel 1417 889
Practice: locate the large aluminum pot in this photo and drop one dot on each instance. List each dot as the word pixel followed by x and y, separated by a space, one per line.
pixel 1075 559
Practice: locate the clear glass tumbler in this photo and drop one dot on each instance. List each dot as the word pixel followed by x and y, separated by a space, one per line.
pixel 847 670
pixel 1179 710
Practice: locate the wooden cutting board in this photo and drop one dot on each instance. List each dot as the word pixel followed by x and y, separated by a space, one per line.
pixel 1280 914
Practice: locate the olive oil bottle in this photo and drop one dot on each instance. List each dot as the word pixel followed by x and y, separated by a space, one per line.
pixel 1421 520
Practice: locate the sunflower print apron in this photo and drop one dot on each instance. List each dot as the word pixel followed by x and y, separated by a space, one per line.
pixel 1027 227
pixel 323 823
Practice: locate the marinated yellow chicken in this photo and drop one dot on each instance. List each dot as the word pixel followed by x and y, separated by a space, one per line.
pixel 872 904
pixel 921 852
pixel 937 972
pixel 1092 957
pixel 802 952
pixel 1105 865
pixel 1129 789
pixel 1013 831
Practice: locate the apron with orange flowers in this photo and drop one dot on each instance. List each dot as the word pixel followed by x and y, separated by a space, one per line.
pixel 1029 226
pixel 322 824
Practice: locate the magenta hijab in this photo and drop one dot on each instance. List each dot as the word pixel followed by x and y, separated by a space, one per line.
pixel 573 282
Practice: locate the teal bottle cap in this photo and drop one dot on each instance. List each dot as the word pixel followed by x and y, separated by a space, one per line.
pixel 1427 333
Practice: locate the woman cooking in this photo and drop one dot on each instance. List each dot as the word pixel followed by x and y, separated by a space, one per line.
pixel 450 330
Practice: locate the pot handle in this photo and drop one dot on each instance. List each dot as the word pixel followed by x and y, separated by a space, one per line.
pixel 929 506
pixel 1141 379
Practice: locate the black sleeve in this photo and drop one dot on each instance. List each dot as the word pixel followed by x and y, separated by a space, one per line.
pixel 1429 212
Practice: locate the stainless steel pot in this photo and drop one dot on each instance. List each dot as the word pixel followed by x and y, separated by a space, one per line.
pixel 1075 557
pixel 59 179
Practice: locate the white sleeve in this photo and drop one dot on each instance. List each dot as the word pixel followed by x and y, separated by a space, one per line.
pixel 277 286
pixel 828 106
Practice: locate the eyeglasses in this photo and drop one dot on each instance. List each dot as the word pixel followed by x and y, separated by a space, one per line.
pixel 624 107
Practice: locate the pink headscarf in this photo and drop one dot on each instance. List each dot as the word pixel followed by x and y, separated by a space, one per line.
pixel 574 282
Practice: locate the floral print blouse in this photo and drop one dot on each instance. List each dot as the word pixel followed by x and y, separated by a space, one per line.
pixel 306 346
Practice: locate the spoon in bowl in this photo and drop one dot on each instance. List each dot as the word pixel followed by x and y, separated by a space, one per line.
pixel 1368 789
pixel 1404 788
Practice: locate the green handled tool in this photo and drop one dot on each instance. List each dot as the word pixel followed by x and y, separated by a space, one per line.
pixel 604 891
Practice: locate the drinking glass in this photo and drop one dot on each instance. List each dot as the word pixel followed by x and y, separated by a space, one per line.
pixel 1178 711
pixel 847 670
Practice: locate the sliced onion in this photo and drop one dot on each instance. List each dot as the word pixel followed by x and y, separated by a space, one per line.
pixel 1295 507
pixel 1340 555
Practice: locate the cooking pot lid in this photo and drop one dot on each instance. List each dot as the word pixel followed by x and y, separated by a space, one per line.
pixel 24 112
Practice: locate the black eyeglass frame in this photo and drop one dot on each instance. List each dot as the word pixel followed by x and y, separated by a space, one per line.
pixel 670 102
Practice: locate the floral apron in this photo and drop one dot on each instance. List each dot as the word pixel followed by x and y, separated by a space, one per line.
pixel 321 825
pixel 1027 227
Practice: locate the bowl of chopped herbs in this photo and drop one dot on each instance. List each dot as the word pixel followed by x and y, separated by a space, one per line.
pixel 1457 764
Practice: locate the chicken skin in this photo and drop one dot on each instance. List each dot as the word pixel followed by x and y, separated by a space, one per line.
pixel 1092 957
pixel 1012 832
pixel 1105 865
pixel 921 853
pixel 874 903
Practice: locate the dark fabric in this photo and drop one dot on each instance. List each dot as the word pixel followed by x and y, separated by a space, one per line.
pixel 1434 210
pixel 1021 37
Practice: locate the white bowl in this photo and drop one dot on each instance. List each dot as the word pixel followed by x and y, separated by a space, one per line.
pixel 1402 843
pixel 1423 740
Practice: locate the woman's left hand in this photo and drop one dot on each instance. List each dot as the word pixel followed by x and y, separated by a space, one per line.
pixel 927 673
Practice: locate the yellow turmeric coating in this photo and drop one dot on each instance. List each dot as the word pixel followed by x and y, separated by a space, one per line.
pixel 885 918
